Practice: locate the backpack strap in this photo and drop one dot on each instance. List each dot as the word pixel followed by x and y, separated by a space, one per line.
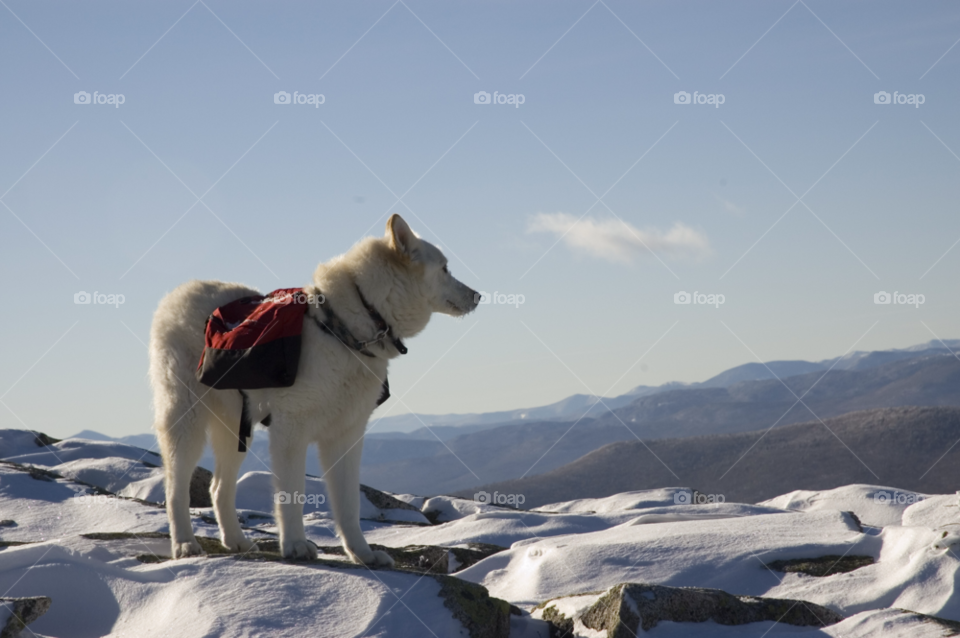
pixel 246 423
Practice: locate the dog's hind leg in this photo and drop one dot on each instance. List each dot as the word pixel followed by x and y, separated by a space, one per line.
pixel 341 471
pixel 182 438
pixel 224 432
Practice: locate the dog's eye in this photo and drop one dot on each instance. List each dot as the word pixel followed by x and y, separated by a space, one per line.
pixel 445 269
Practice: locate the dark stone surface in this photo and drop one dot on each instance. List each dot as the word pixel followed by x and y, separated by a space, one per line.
pixel 25 611
pixel 200 487
pixel 629 607
pixel 823 566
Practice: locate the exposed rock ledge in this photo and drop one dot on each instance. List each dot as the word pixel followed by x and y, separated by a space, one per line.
pixel 17 613
pixel 624 609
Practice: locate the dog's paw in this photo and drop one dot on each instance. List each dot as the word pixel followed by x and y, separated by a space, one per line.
pixel 381 559
pixel 299 550
pixel 185 550
pixel 371 558
pixel 241 544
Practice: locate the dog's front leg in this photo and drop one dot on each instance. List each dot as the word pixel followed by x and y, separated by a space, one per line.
pixel 341 465
pixel 288 455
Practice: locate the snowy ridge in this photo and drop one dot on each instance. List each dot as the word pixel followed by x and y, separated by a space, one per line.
pixel 101 557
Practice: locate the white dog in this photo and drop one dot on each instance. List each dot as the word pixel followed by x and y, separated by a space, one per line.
pixel 403 278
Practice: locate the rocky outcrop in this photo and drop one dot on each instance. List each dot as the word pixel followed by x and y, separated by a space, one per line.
pixel 820 567
pixel 17 613
pixel 482 615
pixel 200 487
pixel 625 609
pixel 385 501
pixel 429 558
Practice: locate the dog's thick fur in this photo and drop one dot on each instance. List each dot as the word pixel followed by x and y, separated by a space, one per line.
pixel 404 278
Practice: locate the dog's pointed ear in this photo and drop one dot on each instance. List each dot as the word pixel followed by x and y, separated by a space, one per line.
pixel 402 239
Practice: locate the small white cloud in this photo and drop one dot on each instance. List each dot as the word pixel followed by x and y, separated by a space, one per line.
pixel 618 241
pixel 730 207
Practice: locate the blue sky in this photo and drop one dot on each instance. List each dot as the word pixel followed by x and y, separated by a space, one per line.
pixel 666 197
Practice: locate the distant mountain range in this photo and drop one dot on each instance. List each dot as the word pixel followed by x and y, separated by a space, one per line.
pixel 447 426
pixel 741 399
pixel 910 447
pixel 517 449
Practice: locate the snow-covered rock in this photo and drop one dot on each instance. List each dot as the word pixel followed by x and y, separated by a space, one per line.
pixel 937 512
pixel 255 492
pixel 619 502
pixel 727 554
pixel 67 450
pixel 227 597
pixel 874 505
pixel 632 608
pixel 17 613
pixel 443 509
pixel 111 473
pixel 103 559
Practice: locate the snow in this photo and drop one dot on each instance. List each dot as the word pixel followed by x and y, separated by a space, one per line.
pixel 935 512
pixel 450 508
pixel 565 550
pixel 50 509
pixel 618 502
pixel 255 492
pixel 722 554
pixel 112 473
pixel 873 505
pixel 74 449
pixel 220 597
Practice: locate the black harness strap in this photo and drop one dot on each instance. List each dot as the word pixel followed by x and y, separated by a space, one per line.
pixel 246 424
pixel 383 328
pixel 332 325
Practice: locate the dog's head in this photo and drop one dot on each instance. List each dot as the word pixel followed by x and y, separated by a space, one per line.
pixel 425 282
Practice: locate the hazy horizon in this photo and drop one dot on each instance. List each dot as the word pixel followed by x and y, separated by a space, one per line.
pixel 796 158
